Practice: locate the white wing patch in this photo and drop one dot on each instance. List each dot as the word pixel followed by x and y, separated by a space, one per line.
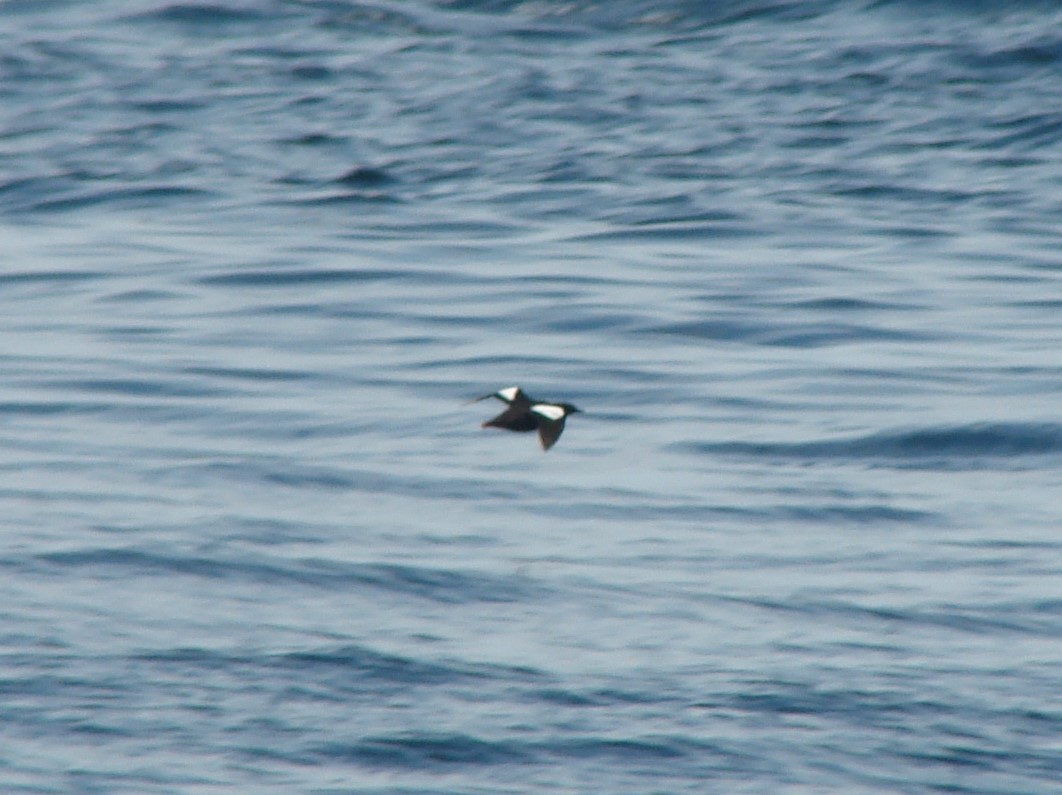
pixel 549 411
pixel 509 393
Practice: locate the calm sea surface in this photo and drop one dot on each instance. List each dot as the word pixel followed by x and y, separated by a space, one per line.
pixel 800 263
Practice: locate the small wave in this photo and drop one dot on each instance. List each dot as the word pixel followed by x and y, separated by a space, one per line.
pixel 647 749
pixel 314 139
pixel 175 106
pixel 425 751
pixel 1029 132
pixel 139 387
pixel 49 277
pixel 796 698
pixel 49 408
pixel 151 196
pixel 202 14
pixel 669 232
pixel 255 374
pixel 310 276
pixel 795 335
pixel 345 197
pixel 448 586
pixel 862 514
pixel 350 659
pixel 276 472
pixel 365 177
pixel 1037 617
pixel 960 447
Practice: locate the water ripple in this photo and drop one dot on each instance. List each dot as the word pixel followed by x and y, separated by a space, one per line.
pixel 438 585
pixel 972 446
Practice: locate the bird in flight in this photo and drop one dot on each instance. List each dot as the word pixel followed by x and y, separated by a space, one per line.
pixel 524 413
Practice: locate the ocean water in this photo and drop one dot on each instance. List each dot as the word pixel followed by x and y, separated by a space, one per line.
pixel 800 264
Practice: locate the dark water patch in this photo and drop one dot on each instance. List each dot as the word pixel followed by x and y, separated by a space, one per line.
pixel 461 230
pixel 366 663
pixel 918 197
pixel 564 286
pixel 1038 303
pixel 847 304
pixel 116 563
pixel 856 514
pixel 366 177
pixel 1010 544
pixel 351 197
pixel 695 20
pixel 168 105
pixel 952 756
pixel 254 374
pixel 625 750
pixel 315 139
pixel 816 142
pixel 135 411
pixel 694 756
pixel 139 388
pixel 447 586
pixel 859 707
pixel 52 676
pixel 648 232
pixel 415 751
pixel 979 11
pixel 377 20
pixel 567 698
pixel 671 214
pixel 23 194
pixel 643 508
pixel 795 335
pixel 1043 51
pixel 818 335
pixel 136 332
pixel 600 697
pixel 572 318
pixel 323 276
pixel 960 447
pixel 547 33
pixel 140 296
pixel 203 15
pixel 351 660
pixel 277 472
pixel 500 362
pixel 132 198
pixel 718 330
pixel 312 72
pixel 1021 620
pixel 49 277
pixel 913 232
pixel 1029 132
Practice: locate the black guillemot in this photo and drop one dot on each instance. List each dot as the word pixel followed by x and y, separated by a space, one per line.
pixel 524 413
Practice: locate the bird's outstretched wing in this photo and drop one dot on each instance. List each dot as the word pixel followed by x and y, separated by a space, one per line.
pixel 550 423
pixel 513 395
pixel 517 417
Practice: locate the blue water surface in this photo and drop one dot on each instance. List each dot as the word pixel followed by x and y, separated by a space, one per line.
pixel 798 262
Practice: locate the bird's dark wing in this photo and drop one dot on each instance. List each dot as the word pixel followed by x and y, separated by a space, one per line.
pixel 550 422
pixel 549 431
pixel 515 418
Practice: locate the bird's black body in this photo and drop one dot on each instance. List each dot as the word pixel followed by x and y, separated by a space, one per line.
pixel 524 413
